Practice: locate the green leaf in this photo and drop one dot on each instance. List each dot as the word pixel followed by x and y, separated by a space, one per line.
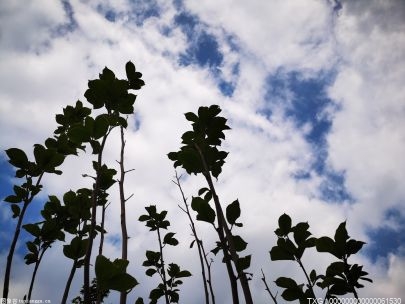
pixel 112 275
pixel 243 263
pixel 239 243
pixel 278 254
pixel 155 294
pixel 204 211
pixel 16 210
pixel 139 301
pixel 301 233
pixel 326 244
pixel 191 117
pixel 134 77
pixel 286 282
pixel 170 240
pixel 32 247
pixel 292 294
pixel 353 246
pixel 32 229
pixel 100 127
pixel 184 274
pixel 30 258
pixel 122 282
pixel 150 272
pixel 13 199
pixel 76 249
pixel 233 212
pixel 17 158
pixel 284 223
pixel 341 237
pixel 144 218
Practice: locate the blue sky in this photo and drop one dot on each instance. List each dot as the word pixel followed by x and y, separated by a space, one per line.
pixel 313 91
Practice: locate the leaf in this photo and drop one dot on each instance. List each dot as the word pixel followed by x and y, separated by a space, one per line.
pixel 284 223
pixel 170 240
pixel 150 272
pixel 32 247
pixel 13 199
pixel 278 254
pixel 76 249
pixel 239 243
pixel 353 246
pixel 233 212
pixel 100 127
pixel 144 218
pixel 17 158
pixel 301 233
pixel 192 244
pixel 139 301
pixel 285 282
pixel 204 211
pixel 122 282
pixel 16 210
pixel 243 263
pixel 155 294
pixel 32 229
pixel 326 244
pixel 184 274
pixel 292 294
pixel 190 116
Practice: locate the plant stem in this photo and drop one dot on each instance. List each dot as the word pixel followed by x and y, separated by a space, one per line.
pixel 37 263
pixel 198 244
pixel 94 195
pixel 273 297
pixel 307 277
pixel 163 274
pixel 124 233
pixel 17 231
pixel 69 282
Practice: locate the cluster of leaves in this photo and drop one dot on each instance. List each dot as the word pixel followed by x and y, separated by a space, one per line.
pixel 341 278
pixel 206 135
pixel 170 277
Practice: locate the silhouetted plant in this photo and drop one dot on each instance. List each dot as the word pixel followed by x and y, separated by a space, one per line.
pixel 204 263
pixel 75 216
pixel 199 154
pixel 171 275
pixel 341 278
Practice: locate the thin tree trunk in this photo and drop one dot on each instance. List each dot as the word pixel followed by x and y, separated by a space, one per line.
pixel 124 233
pixel 34 274
pixel 69 282
pixel 14 242
pixel 200 247
pixel 87 258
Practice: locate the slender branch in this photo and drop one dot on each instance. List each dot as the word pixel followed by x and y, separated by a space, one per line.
pixel 196 239
pixel 273 297
pixel 69 282
pixel 94 196
pixel 163 274
pixel 17 231
pixel 307 277
pixel 124 233
pixel 34 274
